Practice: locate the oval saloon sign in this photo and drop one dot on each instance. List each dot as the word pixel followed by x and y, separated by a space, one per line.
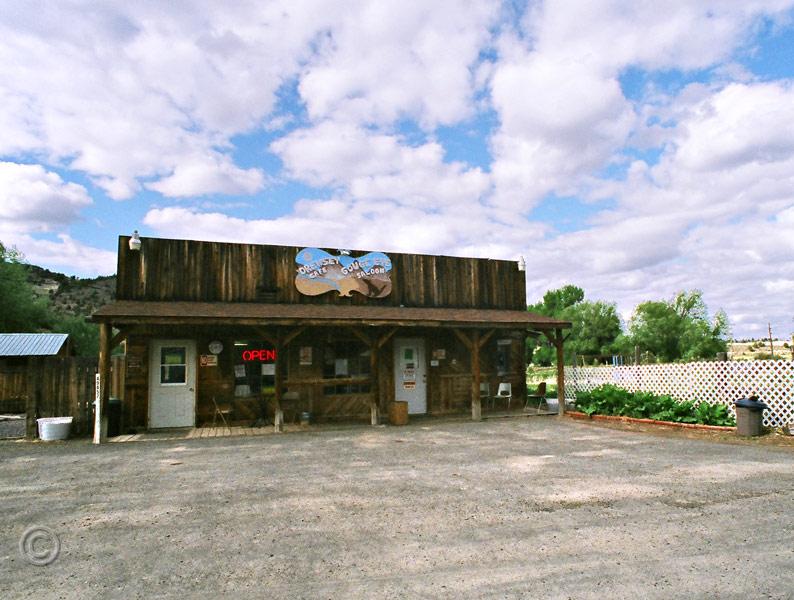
pixel 318 272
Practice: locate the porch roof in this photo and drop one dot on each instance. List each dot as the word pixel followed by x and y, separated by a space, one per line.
pixel 129 312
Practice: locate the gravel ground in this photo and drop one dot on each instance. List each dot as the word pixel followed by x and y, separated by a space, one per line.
pixel 518 508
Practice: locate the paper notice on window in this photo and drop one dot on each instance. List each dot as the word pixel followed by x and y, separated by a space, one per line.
pixel 340 367
pixel 239 370
pixel 409 385
pixel 268 368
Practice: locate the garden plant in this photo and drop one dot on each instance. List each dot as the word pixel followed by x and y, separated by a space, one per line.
pixel 610 399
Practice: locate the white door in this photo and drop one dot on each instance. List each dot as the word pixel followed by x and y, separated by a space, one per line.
pixel 410 379
pixel 172 383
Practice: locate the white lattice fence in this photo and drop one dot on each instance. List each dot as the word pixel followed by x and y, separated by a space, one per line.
pixel 715 382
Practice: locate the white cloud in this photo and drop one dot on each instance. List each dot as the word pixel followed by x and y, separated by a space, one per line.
pixel 146 91
pixel 562 113
pixel 384 61
pixel 376 166
pixel 66 254
pixel 209 174
pixel 33 199
pixel 739 126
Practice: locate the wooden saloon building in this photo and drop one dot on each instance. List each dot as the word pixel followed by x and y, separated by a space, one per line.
pixel 266 332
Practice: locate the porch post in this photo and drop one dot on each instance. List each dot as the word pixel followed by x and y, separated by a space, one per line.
pixel 278 413
pixel 476 404
pixel 374 388
pixel 558 343
pixel 101 419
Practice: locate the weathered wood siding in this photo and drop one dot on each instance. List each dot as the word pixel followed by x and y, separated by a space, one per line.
pixel 223 272
pixel 57 386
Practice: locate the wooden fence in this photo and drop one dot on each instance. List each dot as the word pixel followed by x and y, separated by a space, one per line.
pixel 57 387
pixel 714 382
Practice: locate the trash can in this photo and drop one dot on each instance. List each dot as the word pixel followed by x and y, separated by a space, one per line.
pixel 750 416
pixel 398 413
pixel 114 417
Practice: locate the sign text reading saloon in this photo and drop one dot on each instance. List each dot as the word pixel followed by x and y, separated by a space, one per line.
pixel 318 272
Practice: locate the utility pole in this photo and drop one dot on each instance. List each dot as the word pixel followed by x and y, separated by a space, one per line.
pixel 771 345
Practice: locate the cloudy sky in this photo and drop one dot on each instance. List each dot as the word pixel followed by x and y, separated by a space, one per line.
pixel 634 148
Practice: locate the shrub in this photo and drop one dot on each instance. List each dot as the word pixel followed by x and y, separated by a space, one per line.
pixel 610 399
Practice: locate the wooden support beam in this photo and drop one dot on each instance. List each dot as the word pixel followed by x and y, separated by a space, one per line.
pixel 476 402
pixel 374 403
pixel 559 340
pixel 386 336
pixel 278 413
pixel 361 335
pixel 101 420
pixel 484 339
pixel 462 337
pixel 292 335
pixel 268 337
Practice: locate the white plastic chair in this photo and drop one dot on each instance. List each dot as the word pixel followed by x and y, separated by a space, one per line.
pixel 485 391
pixel 505 391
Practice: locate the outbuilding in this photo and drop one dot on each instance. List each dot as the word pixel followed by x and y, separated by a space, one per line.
pixel 17 348
pixel 261 330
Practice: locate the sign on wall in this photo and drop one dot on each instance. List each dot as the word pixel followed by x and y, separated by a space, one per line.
pixel 318 272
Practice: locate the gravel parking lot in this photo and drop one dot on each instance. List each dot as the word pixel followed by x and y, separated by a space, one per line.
pixel 518 508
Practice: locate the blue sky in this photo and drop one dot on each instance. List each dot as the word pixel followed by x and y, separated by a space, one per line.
pixel 633 151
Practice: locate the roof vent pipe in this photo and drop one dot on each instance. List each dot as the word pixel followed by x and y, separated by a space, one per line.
pixel 522 265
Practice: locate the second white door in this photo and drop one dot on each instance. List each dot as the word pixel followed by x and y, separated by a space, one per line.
pixel 410 376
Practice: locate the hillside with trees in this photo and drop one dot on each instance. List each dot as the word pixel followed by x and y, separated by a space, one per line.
pixel 39 300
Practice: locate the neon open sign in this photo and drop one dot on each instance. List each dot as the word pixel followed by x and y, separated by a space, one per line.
pixel 259 355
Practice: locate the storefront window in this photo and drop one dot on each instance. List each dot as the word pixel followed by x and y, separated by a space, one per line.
pixel 346 360
pixel 254 368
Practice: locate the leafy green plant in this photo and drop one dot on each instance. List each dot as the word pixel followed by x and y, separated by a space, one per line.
pixel 610 399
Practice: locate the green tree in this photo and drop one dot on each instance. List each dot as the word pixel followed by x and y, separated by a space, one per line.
pixel 679 328
pixel 595 325
pixel 84 336
pixel 21 310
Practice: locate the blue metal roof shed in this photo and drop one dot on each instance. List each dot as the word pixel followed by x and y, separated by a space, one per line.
pixel 31 344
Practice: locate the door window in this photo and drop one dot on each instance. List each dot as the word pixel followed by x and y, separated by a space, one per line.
pixel 173 365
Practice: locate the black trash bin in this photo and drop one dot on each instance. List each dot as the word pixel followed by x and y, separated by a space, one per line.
pixel 750 416
pixel 114 417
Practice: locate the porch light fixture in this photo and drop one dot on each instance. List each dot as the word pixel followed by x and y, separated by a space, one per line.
pixel 522 265
pixel 135 241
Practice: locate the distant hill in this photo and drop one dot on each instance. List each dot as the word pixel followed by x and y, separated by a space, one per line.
pixel 69 295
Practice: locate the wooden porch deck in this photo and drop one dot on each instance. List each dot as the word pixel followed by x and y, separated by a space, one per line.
pixel 236 431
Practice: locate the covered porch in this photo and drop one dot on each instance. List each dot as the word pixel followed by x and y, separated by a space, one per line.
pixel 335 362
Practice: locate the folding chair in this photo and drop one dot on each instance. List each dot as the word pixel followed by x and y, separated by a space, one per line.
pixel 539 395
pixel 222 411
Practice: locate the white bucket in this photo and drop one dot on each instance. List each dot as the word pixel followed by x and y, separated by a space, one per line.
pixel 54 428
